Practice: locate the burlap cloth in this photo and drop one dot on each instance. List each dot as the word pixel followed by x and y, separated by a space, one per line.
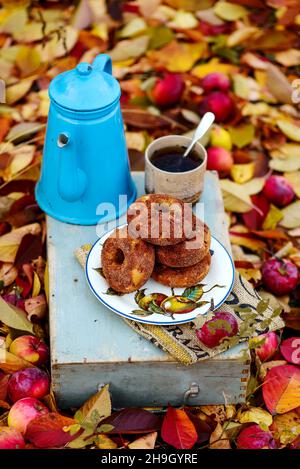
pixel 253 315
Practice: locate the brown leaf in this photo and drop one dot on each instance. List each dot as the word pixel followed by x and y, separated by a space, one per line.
pixel 219 439
pixel 10 363
pixel 279 85
pixel 36 308
pixel 144 119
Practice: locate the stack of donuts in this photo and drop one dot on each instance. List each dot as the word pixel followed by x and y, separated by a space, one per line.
pixel 163 239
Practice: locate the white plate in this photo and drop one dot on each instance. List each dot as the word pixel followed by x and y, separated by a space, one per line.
pixel 221 273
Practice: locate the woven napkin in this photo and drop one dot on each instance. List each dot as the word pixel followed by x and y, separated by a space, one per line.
pixel 253 315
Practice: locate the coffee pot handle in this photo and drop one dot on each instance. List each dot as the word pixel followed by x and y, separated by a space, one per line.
pixel 72 181
pixel 103 62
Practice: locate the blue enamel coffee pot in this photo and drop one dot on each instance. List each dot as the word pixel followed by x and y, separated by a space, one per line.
pixel 85 161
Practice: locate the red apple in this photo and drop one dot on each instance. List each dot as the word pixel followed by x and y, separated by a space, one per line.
pixel 219 103
pixel 167 90
pixel 213 332
pixel 278 191
pixel 31 382
pixel 220 160
pixel 253 437
pixel 23 411
pixel 280 276
pixel 10 438
pixel 31 349
pixel 268 348
pixel 215 81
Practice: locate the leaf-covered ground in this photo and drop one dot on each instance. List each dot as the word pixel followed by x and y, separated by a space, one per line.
pixel 164 52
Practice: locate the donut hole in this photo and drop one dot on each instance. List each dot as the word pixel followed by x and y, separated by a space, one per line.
pixel 119 257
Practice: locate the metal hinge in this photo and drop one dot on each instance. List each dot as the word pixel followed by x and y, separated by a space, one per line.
pixel 193 391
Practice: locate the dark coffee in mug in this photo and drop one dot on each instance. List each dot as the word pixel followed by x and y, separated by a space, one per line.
pixel 171 159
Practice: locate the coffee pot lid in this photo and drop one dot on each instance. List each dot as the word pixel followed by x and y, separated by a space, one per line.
pixel 87 87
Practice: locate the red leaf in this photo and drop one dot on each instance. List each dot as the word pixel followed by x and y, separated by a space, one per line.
pixel 281 389
pixel 48 431
pixel 178 430
pixel 290 349
pixel 18 185
pixel 29 249
pixel 133 420
pixel 252 219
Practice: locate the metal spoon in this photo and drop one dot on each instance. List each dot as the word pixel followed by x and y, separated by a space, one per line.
pixel 203 126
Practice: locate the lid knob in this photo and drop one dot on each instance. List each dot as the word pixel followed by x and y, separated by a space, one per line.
pixel 84 68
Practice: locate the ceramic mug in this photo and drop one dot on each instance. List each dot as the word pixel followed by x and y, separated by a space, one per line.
pixel 187 185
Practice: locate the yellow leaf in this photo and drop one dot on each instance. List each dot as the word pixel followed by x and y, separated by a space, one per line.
pixel 28 60
pixel 14 317
pixel 13 20
pixel 242 135
pixel 241 35
pixel 286 427
pixel 144 442
pixel 22 157
pixel 294 180
pixel 129 48
pixel 272 219
pixel 135 140
pixel 104 442
pixel 134 27
pixel 241 173
pixel 254 186
pixel 288 58
pixel 229 11
pixel 256 109
pixel 291 215
pixel 36 285
pixel 250 243
pixel 250 274
pixel 255 415
pixel 183 20
pixel 212 66
pixel 246 87
pixel 95 409
pixel 17 91
pixel 289 129
pixel 58 46
pixel 235 197
pixel 178 56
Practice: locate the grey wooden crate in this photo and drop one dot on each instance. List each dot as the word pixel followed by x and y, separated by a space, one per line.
pixel 90 345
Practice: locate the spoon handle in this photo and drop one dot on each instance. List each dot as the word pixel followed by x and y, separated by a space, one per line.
pixel 206 121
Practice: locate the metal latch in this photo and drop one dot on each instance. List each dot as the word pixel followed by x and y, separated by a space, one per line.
pixel 193 391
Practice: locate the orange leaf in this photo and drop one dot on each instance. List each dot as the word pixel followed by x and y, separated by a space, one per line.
pixel 281 389
pixel 50 431
pixel 178 430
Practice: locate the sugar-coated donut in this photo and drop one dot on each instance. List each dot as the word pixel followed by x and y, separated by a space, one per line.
pixel 187 253
pixel 182 277
pixel 160 219
pixel 127 263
